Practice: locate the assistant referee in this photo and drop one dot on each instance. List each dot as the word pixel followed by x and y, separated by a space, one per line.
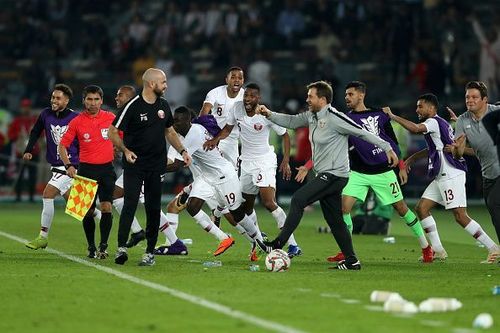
pixel 146 120
pixel 90 128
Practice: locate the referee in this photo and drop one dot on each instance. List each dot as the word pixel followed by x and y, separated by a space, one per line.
pixel 90 128
pixel 146 120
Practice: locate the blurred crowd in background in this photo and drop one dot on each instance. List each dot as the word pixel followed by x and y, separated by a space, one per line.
pixel 400 48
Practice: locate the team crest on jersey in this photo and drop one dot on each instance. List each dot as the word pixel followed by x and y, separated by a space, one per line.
pixel 86 137
pixel 104 133
pixel 322 123
pixel 371 124
pixel 57 132
pixel 258 126
pixel 161 114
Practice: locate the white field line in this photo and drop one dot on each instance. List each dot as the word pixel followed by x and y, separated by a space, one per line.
pixel 246 317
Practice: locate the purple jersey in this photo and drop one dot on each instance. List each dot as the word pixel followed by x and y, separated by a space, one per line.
pixel 55 125
pixel 208 121
pixel 378 123
pixel 446 136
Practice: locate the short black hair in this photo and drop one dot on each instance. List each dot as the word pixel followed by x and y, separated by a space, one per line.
pixel 185 111
pixel 431 99
pixel 357 85
pixel 234 68
pixel 479 85
pixel 92 89
pixel 253 85
pixel 323 89
pixel 65 89
pixel 129 88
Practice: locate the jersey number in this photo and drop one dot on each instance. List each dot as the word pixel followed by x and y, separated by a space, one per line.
pixel 395 187
pixel 230 198
pixel 448 194
pixel 219 111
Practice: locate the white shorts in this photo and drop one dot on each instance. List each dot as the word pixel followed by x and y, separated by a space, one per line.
pixel 259 173
pixel 119 183
pixel 229 149
pixel 60 181
pixel 448 192
pixel 226 193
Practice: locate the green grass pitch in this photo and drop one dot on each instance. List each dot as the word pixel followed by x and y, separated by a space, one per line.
pixel 42 291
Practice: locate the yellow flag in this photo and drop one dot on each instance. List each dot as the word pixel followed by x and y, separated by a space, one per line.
pixel 81 196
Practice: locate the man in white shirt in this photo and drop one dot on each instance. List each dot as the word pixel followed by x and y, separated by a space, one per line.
pixel 219 102
pixel 214 177
pixel 258 160
pixel 448 173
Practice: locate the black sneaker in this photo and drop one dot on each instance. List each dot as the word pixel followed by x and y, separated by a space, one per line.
pixel 265 246
pixel 343 265
pixel 92 252
pixel 102 253
pixel 135 238
pixel 121 256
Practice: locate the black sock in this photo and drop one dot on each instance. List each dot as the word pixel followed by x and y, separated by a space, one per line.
pixel 105 226
pixel 89 228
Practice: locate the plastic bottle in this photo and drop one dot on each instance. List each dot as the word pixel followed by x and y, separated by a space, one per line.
pixel 496 290
pixel 389 240
pixel 400 305
pixel 383 296
pixel 187 241
pixel 254 268
pixel 440 305
pixel 483 320
pixel 212 263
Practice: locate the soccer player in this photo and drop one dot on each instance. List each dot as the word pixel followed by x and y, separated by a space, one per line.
pixel 214 177
pixel 90 129
pixel 370 168
pixel 219 103
pixel 329 131
pixel 146 121
pixel 258 160
pixel 54 121
pixel 447 172
pixel 481 145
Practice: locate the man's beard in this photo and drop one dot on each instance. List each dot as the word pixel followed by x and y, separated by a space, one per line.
pixel 158 92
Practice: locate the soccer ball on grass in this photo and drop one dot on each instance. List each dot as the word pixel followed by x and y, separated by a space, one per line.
pixel 277 261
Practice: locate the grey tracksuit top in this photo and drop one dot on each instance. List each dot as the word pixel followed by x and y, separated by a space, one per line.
pixel 328 133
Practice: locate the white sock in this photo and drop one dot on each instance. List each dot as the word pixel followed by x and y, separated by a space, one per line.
pixel 219 211
pixel 253 217
pixel 47 216
pixel 280 217
pixel 167 230
pixel 97 214
pixel 250 228
pixel 173 220
pixel 478 233
pixel 244 233
pixel 430 228
pixel 118 204
pixel 204 221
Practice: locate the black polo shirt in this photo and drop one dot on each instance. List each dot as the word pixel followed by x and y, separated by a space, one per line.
pixel 143 127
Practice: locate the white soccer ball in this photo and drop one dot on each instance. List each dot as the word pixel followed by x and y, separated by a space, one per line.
pixel 277 261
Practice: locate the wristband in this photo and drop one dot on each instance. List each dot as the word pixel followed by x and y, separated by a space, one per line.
pixel 401 165
pixel 182 151
pixel 67 166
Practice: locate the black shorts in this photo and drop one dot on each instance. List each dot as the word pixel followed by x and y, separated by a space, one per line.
pixel 105 176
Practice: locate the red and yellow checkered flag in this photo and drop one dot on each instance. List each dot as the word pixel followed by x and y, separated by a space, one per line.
pixel 81 196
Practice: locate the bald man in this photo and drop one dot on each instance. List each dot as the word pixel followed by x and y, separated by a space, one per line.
pixel 146 120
